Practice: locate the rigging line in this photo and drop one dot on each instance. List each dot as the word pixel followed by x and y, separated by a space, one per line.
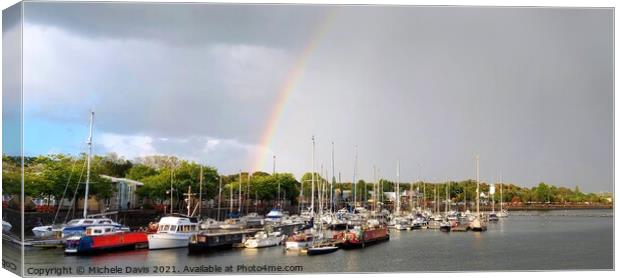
pixel 64 192
pixel 76 190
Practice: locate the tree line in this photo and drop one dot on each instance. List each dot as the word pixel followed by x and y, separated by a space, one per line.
pixel 53 176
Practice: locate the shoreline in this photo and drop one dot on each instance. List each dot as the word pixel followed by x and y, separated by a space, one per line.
pixel 556 207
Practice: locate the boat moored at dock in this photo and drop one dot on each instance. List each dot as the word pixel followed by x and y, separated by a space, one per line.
pixel 105 238
pixel 78 227
pixel 299 241
pixel 264 239
pixel 360 236
pixel 217 240
pixel 173 232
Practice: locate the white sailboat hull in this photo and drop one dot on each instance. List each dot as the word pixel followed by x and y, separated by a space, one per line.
pixel 294 245
pixel 6 226
pixel 477 225
pixel 43 231
pixel 401 227
pixel 259 243
pixel 47 231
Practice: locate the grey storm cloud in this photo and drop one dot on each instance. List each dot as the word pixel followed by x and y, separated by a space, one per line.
pixel 529 89
pixel 273 25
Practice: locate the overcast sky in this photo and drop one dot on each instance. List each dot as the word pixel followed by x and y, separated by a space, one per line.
pixel 528 89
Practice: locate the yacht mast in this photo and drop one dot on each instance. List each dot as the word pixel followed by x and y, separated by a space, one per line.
pixel 239 208
pixel 477 185
pixel 312 190
pixel 321 184
pixel 278 181
pixel 375 187
pixel 447 195
pixel 231 200
pixel 200 195
pixel 219 199
pixel 465 196
pixel 397 187
pixel 424 196
pixel 411 197
pixel 247 207
pixel 354 183
pixel 501 196
pixel 171 187
pixel 331 186
pixel 90 153
pixel 435 199
pixel 492 193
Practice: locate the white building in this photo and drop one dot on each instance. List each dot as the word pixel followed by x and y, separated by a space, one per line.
pixel 125 196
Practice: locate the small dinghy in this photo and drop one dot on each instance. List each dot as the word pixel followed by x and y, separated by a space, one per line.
pixel 322 248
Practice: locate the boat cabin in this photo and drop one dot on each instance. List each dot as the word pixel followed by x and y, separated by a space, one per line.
pixel 100 230
pixel 173 224
pixel 90 221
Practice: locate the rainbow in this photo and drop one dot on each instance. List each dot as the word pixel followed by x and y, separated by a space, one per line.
pixel 291 80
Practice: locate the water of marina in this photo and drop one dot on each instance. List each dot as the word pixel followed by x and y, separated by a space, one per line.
pixel 534 240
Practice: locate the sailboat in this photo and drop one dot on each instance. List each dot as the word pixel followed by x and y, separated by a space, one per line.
pixel 274 216
pixel 502 213
pixel 77 227
pixel 90 234
pixel 492 216
pixel 321 244
pixel 478 224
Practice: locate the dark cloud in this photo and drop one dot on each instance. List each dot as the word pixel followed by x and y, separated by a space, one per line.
pixel 529 89
pixel 183 24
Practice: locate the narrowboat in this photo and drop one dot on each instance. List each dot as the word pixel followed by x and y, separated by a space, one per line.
pixel 208 241
pixel 361 236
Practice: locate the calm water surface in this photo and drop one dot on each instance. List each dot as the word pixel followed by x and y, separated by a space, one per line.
pixel 524 241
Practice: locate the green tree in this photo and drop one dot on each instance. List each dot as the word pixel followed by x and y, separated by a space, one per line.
pixel 140 171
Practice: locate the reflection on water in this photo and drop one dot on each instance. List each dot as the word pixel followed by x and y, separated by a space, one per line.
pixel 525 240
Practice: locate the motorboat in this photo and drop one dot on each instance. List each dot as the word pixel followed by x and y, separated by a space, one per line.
pixel 232 224
pixel 173 232
pixel 445 226
pixel 263 239
pixel 104 238
pixel 402 224
pixel 48 231
pixel 298 241
pixel 6 226
pixel 77 227
pixel 209 223
pixel 322 247
pixel 253 220
pixel 434 224
pixel 274 216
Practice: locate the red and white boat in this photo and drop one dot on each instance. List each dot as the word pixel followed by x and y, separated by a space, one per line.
pixel 299 241
pixel 360 236
pixel 105 238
